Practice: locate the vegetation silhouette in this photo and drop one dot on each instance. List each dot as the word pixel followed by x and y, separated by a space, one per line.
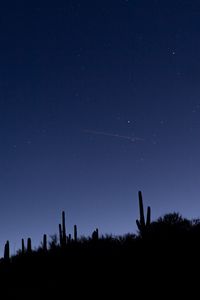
pixel 143 225
pixel 169 245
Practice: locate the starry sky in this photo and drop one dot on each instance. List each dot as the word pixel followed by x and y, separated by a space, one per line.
pixel 98 99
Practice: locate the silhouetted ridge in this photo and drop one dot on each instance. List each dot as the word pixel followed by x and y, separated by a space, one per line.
pixel 67 260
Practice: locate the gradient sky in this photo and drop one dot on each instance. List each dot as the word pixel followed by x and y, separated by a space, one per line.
pixel 79 81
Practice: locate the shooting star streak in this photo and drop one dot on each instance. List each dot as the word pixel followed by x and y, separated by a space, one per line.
pixel 130 138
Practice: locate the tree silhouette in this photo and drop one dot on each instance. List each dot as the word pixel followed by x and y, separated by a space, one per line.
pixel 170 226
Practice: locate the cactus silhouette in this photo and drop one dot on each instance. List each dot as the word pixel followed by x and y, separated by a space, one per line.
pixel 60 234
pixel 7 251
pixel 143 225
pixel 23 247
pixel 69 238
pixel 75 233
pixel 44 245
pixel 62 231
pixel 29 247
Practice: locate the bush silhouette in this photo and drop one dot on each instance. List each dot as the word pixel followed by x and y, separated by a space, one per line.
pixel 170 226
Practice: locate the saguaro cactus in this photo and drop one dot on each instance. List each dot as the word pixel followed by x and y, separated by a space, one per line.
pixel 29 246
pixel 44 245
pixel 7 251
pixel 143 225
pixel 69 238
pixel 62 231
pixel 75 233
pixel 60 234
pixel 23 247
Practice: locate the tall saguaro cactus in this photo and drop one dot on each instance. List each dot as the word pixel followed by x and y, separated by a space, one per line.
pixel 29 246
pixel 44 245
pixel 60 234
pixel 62 231
pixel 7 251
pixel 23 247
pixel 143 225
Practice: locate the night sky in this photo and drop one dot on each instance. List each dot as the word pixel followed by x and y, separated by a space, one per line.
pixel 98 99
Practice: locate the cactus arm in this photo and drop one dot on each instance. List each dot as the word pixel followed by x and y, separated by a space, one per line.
pixel 143 225
pixel 142 220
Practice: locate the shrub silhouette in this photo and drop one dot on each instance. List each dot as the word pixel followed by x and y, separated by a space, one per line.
pixel 170 226
pixel 53 243
pixel 95 235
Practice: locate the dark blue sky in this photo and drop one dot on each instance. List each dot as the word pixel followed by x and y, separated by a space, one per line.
pixel 78 81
